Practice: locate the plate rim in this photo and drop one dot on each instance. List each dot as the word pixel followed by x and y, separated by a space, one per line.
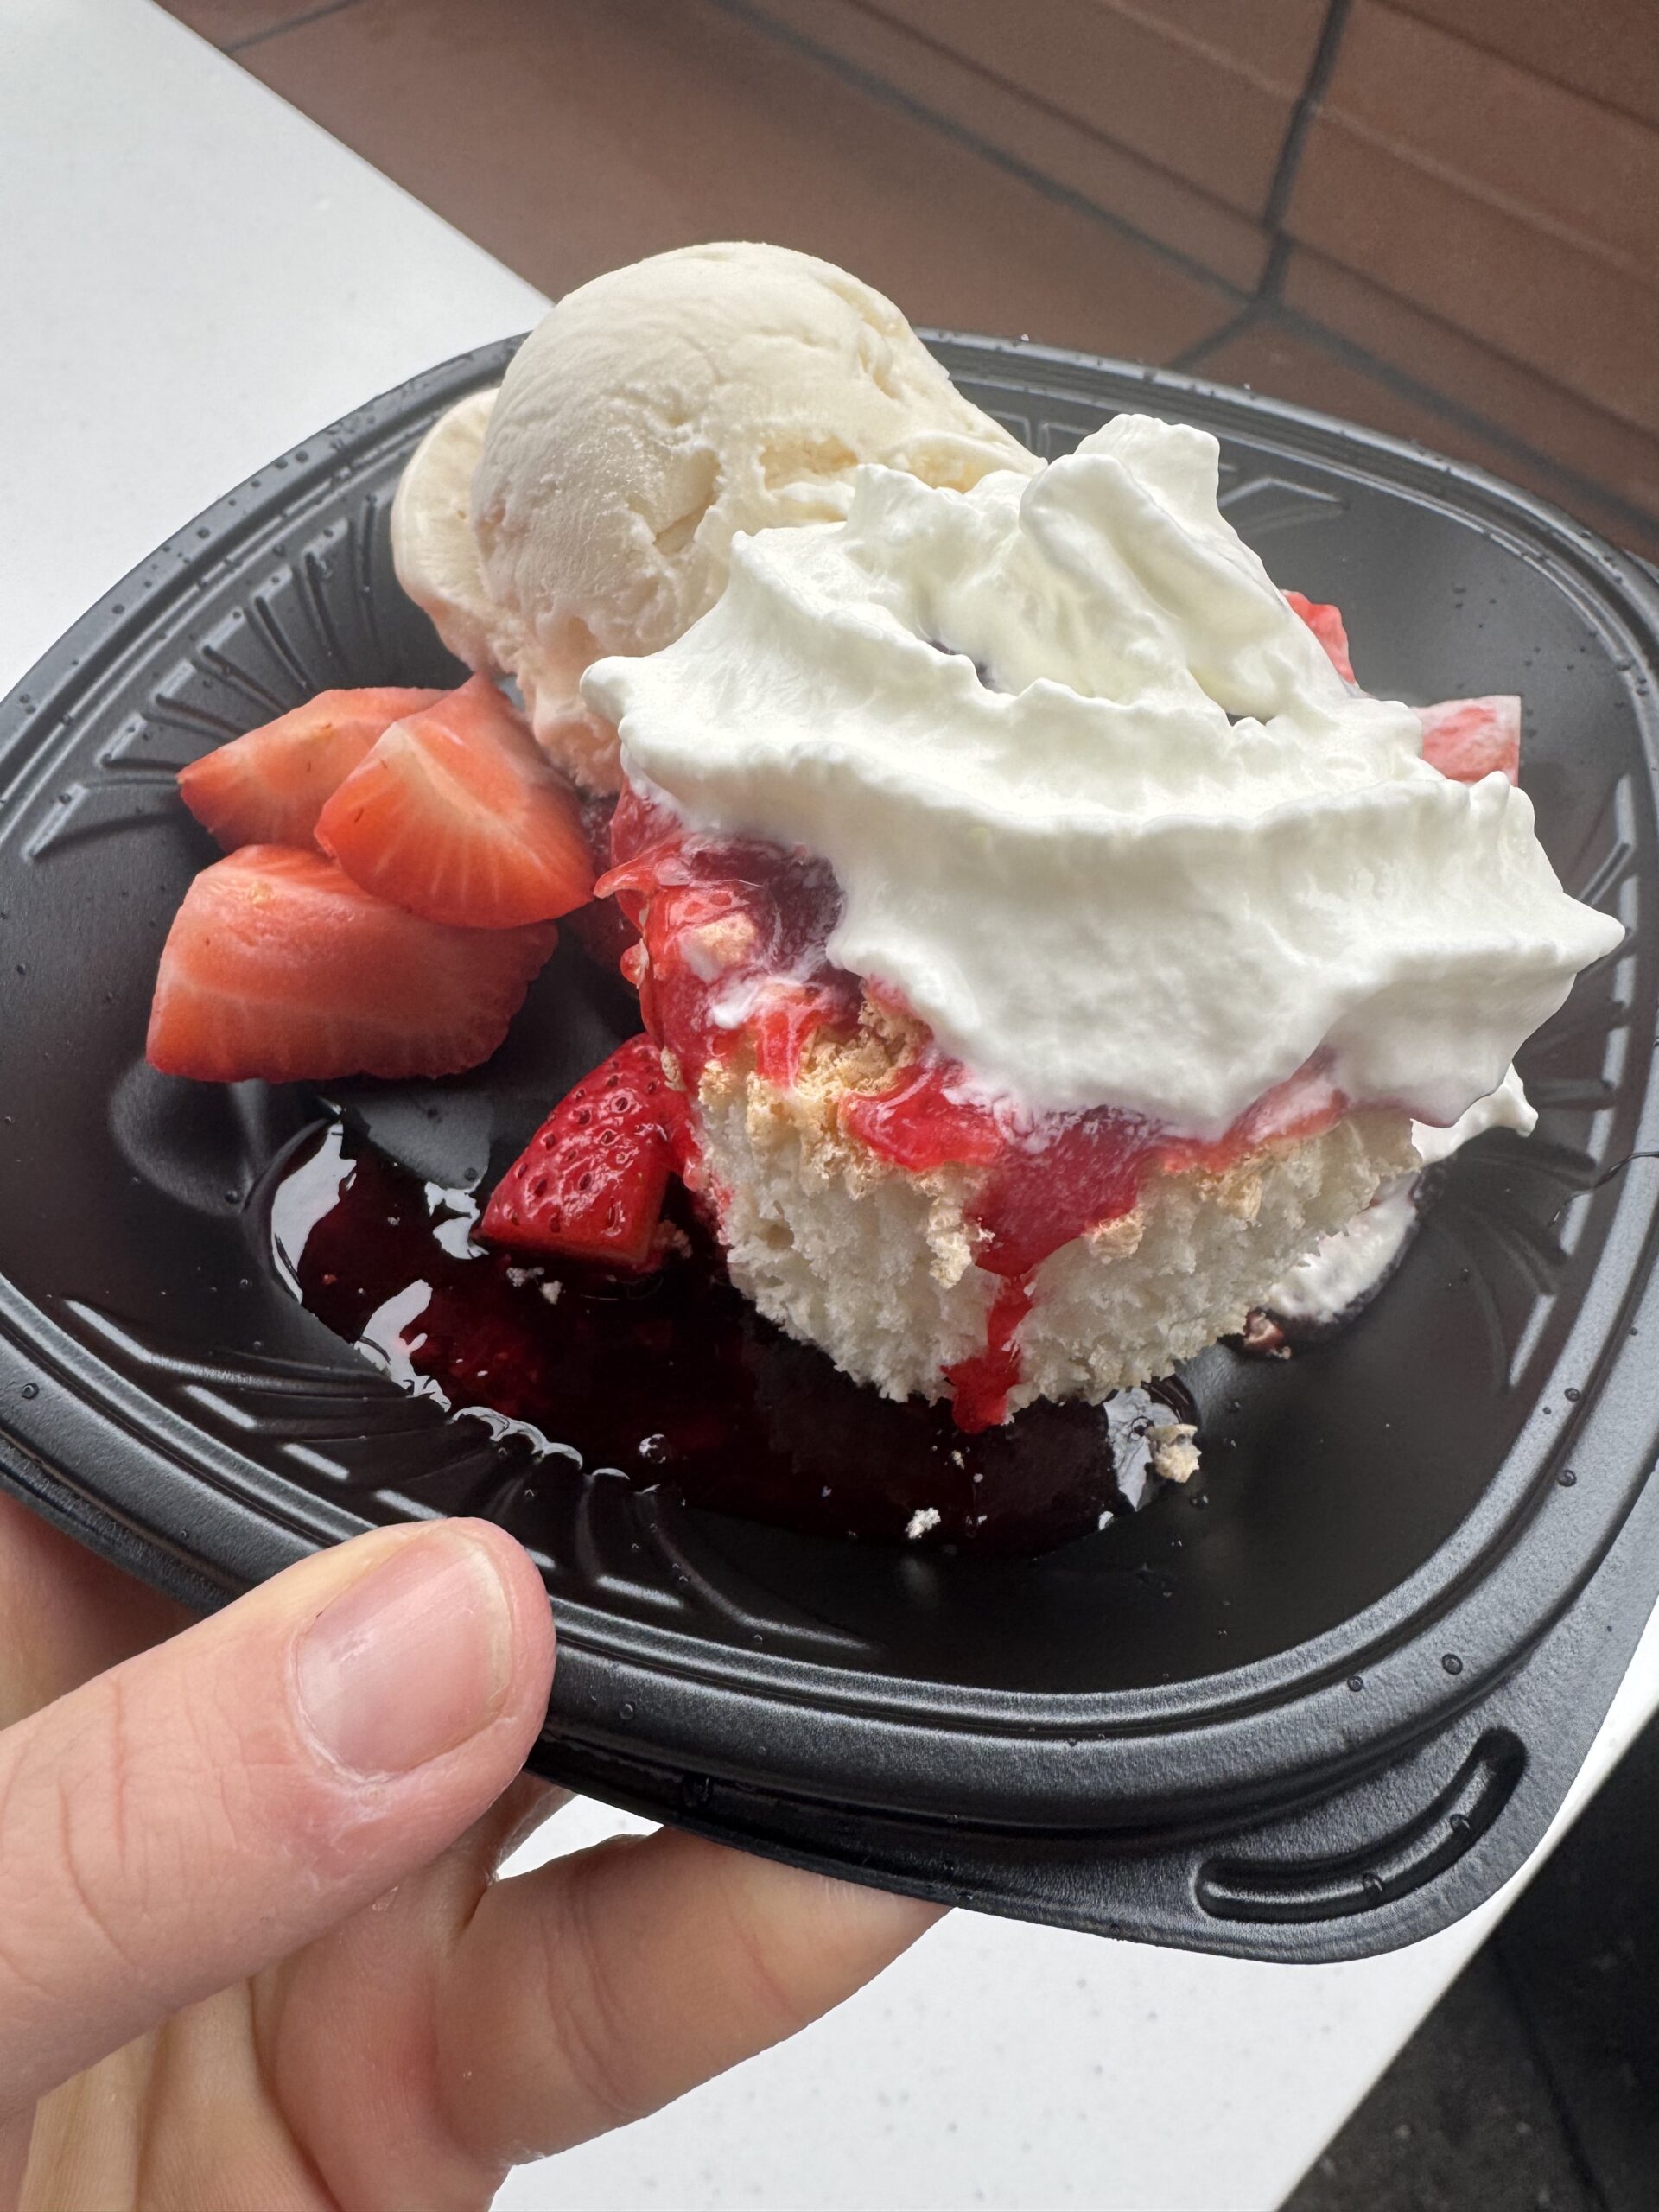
pixel 598 1644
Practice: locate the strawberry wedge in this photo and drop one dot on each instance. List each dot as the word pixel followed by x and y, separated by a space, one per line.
pixel 1328 627
pixel 456 815
pixel 590 1185
pixel 277 965
pixel 269 787
pixel 1467 739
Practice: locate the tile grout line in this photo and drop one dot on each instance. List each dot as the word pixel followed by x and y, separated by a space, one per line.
pixel 1190 356
pixel 1573 482
pixel 1266 300
pixel 1319 72
pixel 1051 189
pixel 1252 308
pixel 1401 382
pixel 288 24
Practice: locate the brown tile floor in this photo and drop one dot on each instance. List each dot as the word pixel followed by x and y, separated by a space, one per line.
pixel 1284 357
pixel 1538 414
pixel 567 135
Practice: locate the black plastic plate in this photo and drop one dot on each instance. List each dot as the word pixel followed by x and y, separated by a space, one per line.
pixel 1319 1707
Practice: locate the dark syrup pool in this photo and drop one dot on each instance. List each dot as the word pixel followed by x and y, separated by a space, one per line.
pixel 677 1383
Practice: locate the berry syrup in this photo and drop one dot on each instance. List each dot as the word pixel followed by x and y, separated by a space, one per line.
pixel 675 1381
pixel 734 936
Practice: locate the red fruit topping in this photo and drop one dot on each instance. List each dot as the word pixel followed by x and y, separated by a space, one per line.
pixel 1467 739
pixel 1048 1181
pixel 1055 1177
pixel 278 965
pixel 927 1119
pixel 732 951
pixel 590 1183
pixel 602 929
pixel 269 787
pixel 604 932
pixel 1326 624
pixel 733 933
pixel 980 1385
pixel 457 815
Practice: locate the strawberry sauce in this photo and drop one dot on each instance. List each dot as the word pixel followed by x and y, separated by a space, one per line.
pixel 732 936
pixel 674 1381
pixel 734 947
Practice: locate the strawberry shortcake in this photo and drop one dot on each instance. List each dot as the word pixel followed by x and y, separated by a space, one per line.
pixel 1044 946
pixel 1052 942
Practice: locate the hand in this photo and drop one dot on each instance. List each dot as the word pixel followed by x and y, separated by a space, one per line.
pixel 251 1951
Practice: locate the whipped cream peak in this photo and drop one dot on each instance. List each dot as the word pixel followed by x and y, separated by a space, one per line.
pixel 1101 810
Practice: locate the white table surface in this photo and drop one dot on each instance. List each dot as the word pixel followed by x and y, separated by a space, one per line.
pixel 194 277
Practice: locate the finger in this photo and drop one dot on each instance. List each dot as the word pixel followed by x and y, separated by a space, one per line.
pixel 528 1805
pixel 66 1614
pixel 599 1988
pixel 206 1808
pixel 13 2157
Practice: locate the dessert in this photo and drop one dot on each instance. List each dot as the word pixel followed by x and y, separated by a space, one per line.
pixel 589 506
pixel 279 967
pixel 269 786
pixel 1055 941
pixel 454 814
pixel 1051 960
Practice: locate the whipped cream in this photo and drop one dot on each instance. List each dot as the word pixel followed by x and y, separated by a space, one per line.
pixel 1101 810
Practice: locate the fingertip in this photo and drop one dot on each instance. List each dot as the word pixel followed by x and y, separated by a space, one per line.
pixel 885 1912
pixel 534 1638
pixel 856 1915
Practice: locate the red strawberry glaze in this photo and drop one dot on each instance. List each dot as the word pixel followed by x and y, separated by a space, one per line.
pixel 1049 1180
pixel 980 1384
pixel 734 934
pixel 670 1381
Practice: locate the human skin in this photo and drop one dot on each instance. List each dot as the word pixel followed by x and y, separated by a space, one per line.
pixel 253 1953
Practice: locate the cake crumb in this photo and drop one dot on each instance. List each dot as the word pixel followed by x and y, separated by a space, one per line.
pixel 924 1518
pixel 551 1292
pixel 1262 1335
pixel 1174 1453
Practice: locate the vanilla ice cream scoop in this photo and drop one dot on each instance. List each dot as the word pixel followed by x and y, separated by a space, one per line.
pixel 432 540
pixel 652 415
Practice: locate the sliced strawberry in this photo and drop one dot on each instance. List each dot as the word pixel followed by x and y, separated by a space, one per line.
pixel 278 965
pixel 456 815
pixel 269 787
pixel 590 1183
pixel 1327 625
pixel 1467 739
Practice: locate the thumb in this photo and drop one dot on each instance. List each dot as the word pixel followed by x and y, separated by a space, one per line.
pixel 207 1808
